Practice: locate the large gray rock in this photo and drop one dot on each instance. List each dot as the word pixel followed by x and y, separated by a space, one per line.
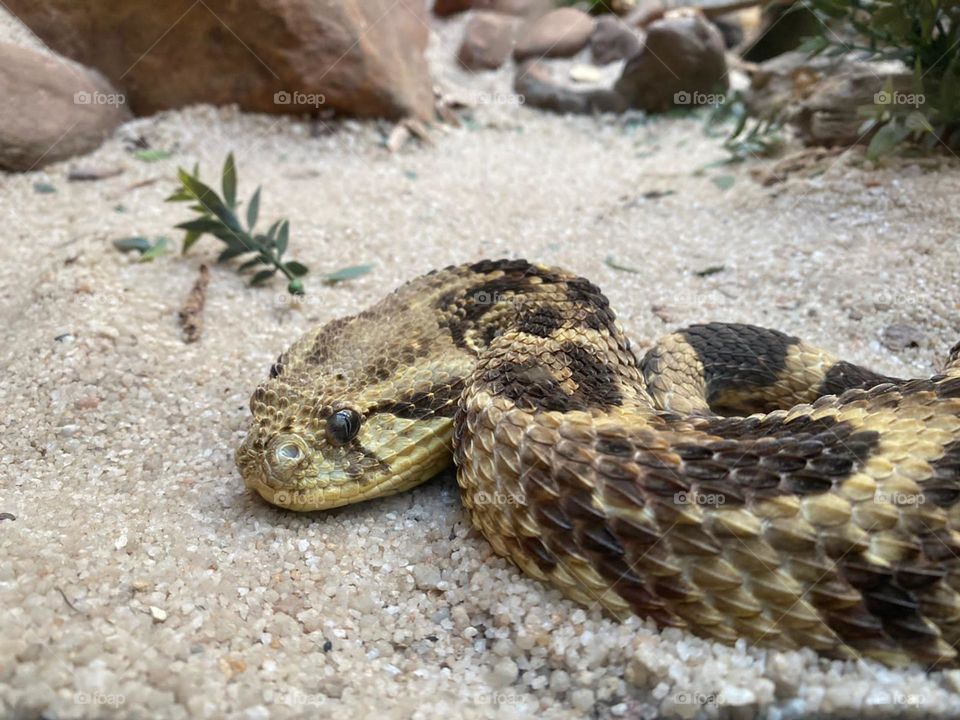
pixel 613 39
pixel 52 109
pixel 682 63
pixel 361 57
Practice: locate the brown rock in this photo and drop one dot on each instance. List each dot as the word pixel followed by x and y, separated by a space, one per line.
pixel 52 109
pixel 487 40
pixel 560 33
pixel 682 63
pixel 520 8
pixel 361 57
pixel 613 40
pixel 445 8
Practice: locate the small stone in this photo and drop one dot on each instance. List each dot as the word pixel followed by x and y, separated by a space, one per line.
pixel 505 672
pixel 561 33
pixel 559 681
pixel 585 74
pixel 901 336
pixel 582 699
pixel 427 577
pixel 158 614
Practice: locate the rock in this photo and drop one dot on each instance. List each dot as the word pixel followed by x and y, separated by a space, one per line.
pixel 445 8
pixel 901 336
pixel 360 57
pixel 561 33
pixel 682 63
pixel 540 88
pixel 487 40
pixel 520 8
pixel 52 109
pixel 613 40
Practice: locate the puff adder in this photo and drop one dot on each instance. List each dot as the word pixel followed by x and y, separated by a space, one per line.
pixel 736 481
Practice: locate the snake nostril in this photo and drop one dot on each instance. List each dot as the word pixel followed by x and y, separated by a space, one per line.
pixel 289 452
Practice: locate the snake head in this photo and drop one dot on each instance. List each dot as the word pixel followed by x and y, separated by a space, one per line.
pixel 324 437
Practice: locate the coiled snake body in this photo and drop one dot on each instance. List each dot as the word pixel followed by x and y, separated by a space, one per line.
pixel 736 482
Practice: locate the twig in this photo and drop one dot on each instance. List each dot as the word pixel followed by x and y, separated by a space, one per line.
pixel 191 314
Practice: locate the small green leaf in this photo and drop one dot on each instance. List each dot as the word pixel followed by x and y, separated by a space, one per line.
pixel 152 155
pixel 210 200
pixel 295 287
pixel 262 276
pixel 155 250
pixel 283 238
pixel 230 182
pixel 724 182
pixel 232 252
pixel 189 240
pixel 253 210
pixel 611 262
pixel 296 269
pixel 347 273
pixel 181 194
pixel 885 140
pixel 138 243
pixel 258 260
pixel 44 188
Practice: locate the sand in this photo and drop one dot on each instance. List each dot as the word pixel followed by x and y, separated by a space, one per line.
pixel 140 580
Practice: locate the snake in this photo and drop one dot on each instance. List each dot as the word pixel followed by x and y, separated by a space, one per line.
pixel 735 482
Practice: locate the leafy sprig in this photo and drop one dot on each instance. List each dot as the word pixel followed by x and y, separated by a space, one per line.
pixel 218 216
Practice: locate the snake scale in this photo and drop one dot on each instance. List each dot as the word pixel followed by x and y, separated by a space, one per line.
pixel 736 481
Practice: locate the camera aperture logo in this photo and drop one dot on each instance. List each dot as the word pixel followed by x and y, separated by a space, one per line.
pixel 299 99
pixel 684 97
pixel 894 97
pixel 83 97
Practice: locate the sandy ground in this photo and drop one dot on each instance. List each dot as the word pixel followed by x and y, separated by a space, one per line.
pixel 139 579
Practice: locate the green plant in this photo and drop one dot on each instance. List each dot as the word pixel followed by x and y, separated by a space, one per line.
pixel 218 217
pixel 923 34
pixel 749 137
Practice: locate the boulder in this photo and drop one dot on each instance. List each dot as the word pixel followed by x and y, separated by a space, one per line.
pixel 487 40
pixel 52 109
pixel 560 33
pixel 682 63
pixel 360 57
pixel 613 40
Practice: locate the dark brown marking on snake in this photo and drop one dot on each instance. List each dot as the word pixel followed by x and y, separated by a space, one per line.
pixel 845 376
pixel 439 401
pixel 540 321
pixel 277 368
pixel 596 380
pixel 943 487
pixel 736 356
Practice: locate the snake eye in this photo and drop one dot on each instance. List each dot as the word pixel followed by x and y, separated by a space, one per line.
pixel 343 426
